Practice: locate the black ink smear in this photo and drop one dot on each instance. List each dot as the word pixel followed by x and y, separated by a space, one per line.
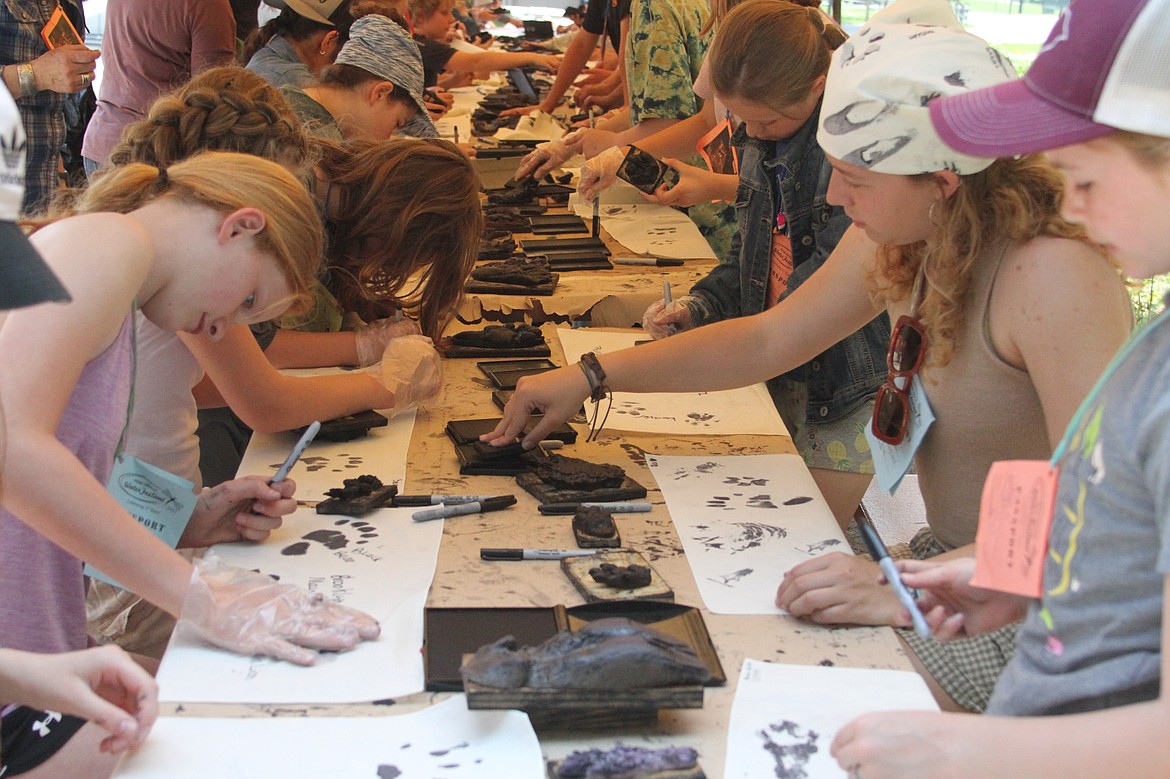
pixel 299 548
pixel 746 481
pixel 791 758
pixel 636 453
pixel 751 535
pixel 797 501
pixel 707 467
pixel 729 579
pixel 820 546
pixel 388 772
pixel 442 752
pixel 761 502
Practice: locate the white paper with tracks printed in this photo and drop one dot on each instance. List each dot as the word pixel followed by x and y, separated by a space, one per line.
pixel 784 717
pixel 743 411
pixel 381 563
pixel 744 521
pixel 443 740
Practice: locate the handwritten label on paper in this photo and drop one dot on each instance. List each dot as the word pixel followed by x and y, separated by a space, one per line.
pixel 1015 515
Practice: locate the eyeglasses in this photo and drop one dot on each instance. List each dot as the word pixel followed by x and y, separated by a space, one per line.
pixel 891 407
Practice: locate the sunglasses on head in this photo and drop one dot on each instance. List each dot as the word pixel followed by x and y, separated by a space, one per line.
pixel 891 406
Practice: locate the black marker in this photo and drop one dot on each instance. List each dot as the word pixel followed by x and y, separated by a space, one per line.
pixel 434 500
pixel 597 216
pixel 459 509
pixel 660 262
pixel 533 554
pixel 877 550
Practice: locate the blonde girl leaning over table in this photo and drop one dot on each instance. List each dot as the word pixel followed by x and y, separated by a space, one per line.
pixel 403 221
pixel 102 684
pixel 1019 311
pixel 416 211
pixel 193 256
pixel 1092 648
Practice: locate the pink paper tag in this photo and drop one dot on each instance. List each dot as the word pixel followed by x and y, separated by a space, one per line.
pixel 1015 515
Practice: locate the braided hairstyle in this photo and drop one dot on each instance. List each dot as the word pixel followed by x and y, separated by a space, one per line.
pixel 221 109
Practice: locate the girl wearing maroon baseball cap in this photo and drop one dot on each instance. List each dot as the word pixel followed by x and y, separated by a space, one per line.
pixel 1090 647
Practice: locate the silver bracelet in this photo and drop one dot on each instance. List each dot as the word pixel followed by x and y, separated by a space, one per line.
pixel 27 78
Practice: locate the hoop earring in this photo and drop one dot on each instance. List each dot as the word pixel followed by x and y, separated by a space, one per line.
pixel 932 216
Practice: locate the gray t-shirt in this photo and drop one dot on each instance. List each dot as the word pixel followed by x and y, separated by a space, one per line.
pixel 1093 640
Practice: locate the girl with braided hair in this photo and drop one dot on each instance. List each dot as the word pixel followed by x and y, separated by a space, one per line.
pixel 191 255
pixel 402 220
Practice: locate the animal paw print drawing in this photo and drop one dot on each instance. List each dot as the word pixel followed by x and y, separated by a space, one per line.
pixel 730 579
pixel 634 408
pixel 366 531
pixel 749 536
pixel 819 546
pixel 762 501
pixel 332 539
pixel 746 481
pixel 697 419
pixel 337 464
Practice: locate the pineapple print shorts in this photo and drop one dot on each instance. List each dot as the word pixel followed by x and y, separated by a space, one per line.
pixel 836 446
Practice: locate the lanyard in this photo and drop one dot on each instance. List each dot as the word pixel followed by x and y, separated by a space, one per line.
pixel 133 379
pixel 1122 353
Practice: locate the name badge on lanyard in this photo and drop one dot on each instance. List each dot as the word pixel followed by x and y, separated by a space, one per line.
pixel 161 502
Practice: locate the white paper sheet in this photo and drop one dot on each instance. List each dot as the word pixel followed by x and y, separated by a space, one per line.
pixel 743 522
pixel 381 563
pixel 444 740
pixel 744 411
pixel 326 464
pixel 536 126
pixel 459 117
pixel 784 717
pixel 647 228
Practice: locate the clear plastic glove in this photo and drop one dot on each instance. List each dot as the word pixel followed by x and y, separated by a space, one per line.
pixel 548 156
pixel 662 319
pixel 600 172
pixel 251 613
pixel 410 369
pixel 373 338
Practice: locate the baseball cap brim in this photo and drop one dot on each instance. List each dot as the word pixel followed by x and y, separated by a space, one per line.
pixel 309 11
pixel 420 125
pixel 25 279
pixel 1008 119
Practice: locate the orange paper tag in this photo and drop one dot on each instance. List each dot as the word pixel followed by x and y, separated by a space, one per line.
pixel 716 150
pixel 60 31
pixel 1015 515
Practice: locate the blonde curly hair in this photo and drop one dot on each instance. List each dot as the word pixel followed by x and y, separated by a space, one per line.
pixel 1015 199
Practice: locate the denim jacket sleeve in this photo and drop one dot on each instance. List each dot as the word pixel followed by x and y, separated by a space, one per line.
pixel 848 373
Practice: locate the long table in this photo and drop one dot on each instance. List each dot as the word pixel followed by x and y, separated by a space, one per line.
pixel 463 580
